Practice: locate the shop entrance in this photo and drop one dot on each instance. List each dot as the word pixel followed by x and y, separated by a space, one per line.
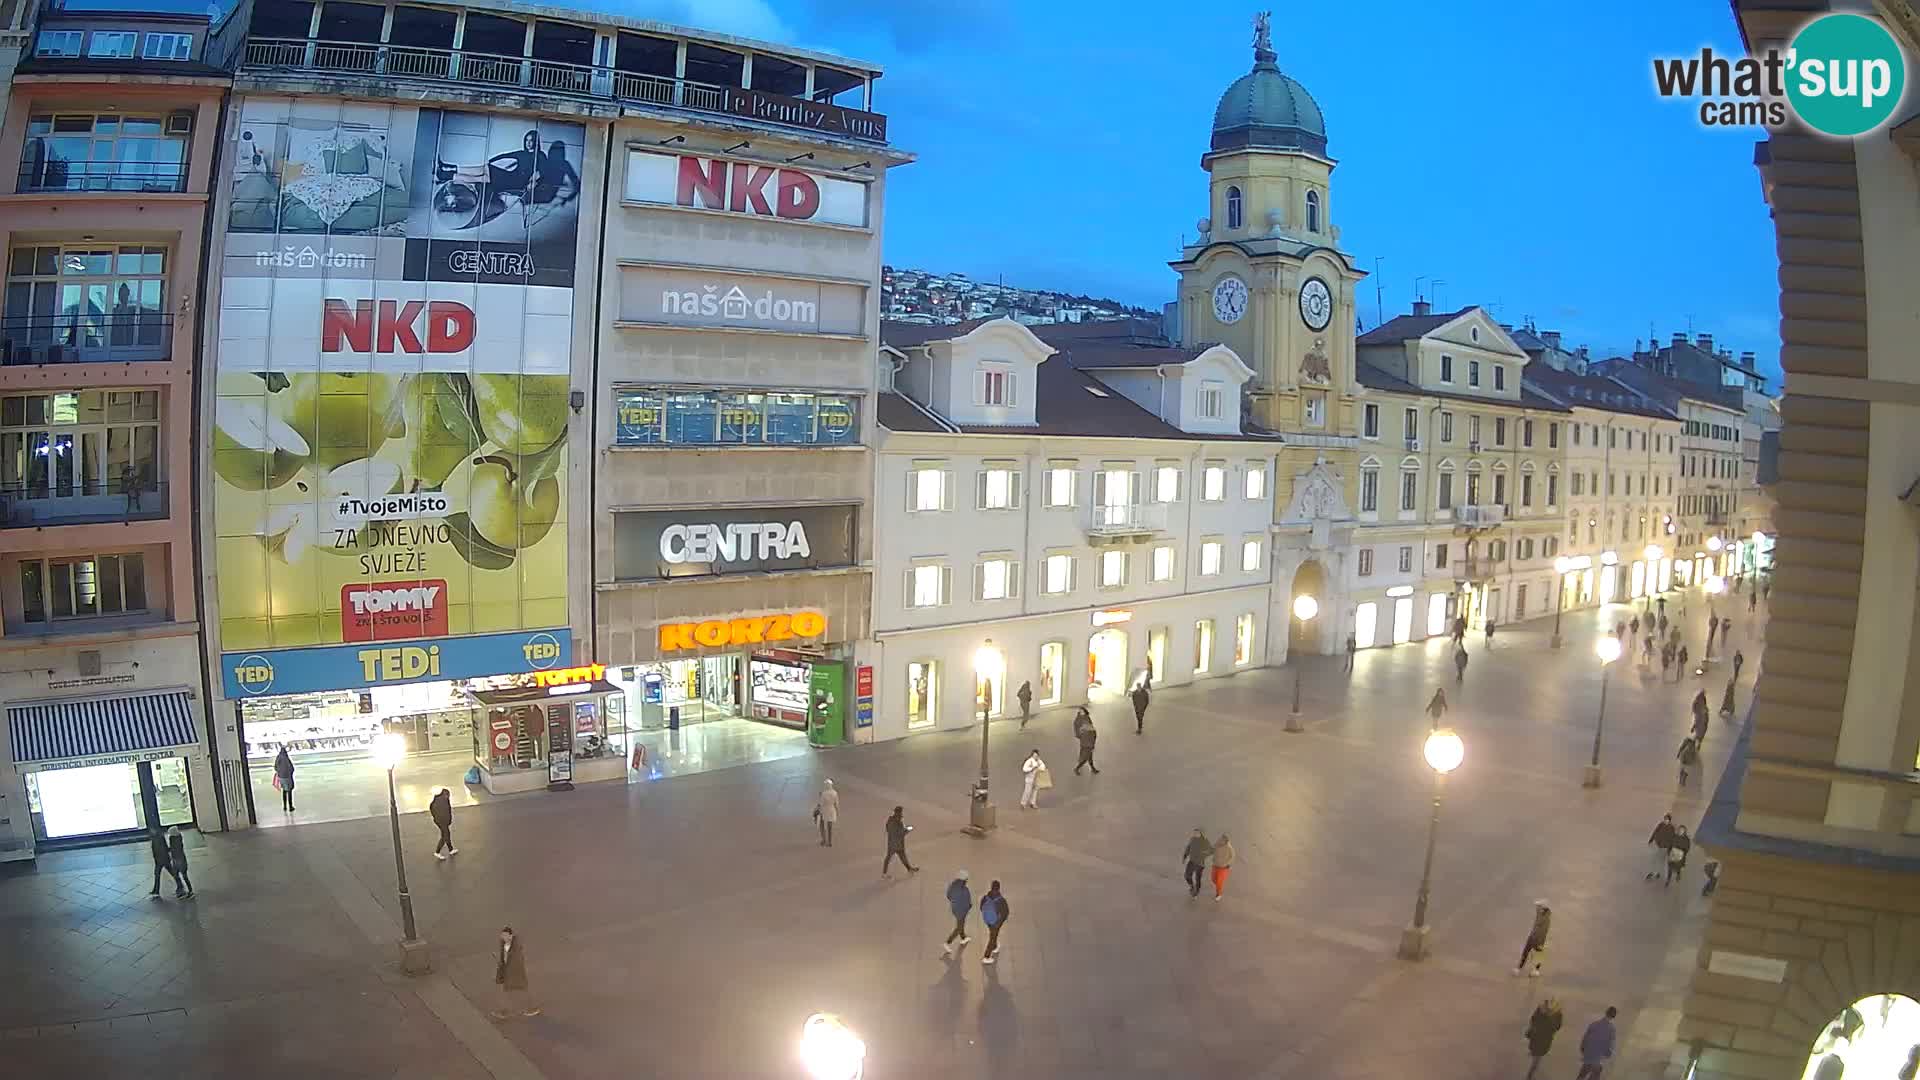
pixel 712 712
pixel 1107 662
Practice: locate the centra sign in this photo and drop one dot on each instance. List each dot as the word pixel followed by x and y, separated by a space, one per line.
pixel 756 541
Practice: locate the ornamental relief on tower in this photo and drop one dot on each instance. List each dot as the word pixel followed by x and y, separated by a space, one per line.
pixel 1314 367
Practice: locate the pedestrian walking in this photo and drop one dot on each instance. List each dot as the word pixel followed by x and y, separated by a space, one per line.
pixel 1087 737
pixel 441 810
pixel 1713 630
pixel 1739 661
pixel 177 859
pixel 1666 660
pixel 1689 756
pixel 1437 706
pixel 1140 698
pixel 1460 664
pixel 1635 626
pixel 897 830
pixel 1460 630
pixel 1677 854
pixel 960 902
pixel 1700 718
pixel 826 811
pixel 283 778
pixel 162 861
pixel 1753 600
pixel 1660 841
pixel 1034 778
pixel 1535 948
pixel 1353 646
pixel 1489 631
pixel 510 975
pixel 993 912
pixel 1196 854
pixel 1025 695
pixel 1222 865
pixel 1663 618
pixel 1081 718
pixel 1646 649
pixel 1680 664
pixel 1726 702
pixel 1596 1046
pixel 1766 593
pixel 1542 1026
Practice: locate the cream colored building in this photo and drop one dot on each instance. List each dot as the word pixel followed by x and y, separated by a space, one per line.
pixel 1459 487
pixel 1817 826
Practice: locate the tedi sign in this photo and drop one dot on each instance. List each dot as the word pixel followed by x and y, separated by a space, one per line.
pixel 760 541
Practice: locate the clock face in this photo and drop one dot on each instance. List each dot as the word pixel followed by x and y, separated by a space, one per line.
pixel 1316 304
pixel 1229 299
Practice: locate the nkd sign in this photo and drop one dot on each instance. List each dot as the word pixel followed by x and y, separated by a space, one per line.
pixel 648 545
pixel 744 187
pixel 670 296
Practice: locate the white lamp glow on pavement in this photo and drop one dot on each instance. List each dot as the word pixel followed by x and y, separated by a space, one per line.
pixel 1608 650
pixel 1560 567
pixel 1305 608
pixel 986 668
pixel 1444 752
pixel 1652 554
pixel 389 750
pixel 830 1050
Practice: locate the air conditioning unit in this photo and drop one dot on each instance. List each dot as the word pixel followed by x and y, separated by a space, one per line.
pixel 1413 442
pixel 1473 447
pixel 180 123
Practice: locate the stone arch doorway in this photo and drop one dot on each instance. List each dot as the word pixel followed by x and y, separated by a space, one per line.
pixel 1306 637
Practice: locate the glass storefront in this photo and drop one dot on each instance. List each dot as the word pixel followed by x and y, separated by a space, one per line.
pixel 119 797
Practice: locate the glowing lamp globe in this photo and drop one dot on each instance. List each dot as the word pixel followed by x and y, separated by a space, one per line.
pixel 1444 751
pixel 1607 649
pixel 1305 607
pixel 1652 553
pixel 830 1050
pixel 389 750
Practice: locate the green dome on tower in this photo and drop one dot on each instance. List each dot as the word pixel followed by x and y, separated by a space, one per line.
pixel 1266 110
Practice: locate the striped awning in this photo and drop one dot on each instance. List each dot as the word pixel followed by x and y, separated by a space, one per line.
pixel 101 727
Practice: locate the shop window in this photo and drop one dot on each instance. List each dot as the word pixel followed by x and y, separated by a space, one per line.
pixel 1203 646
pixel 1209 558
pixel 67 305
pixel 1243 641
pixel 1050 687
pixel 1213 486
pixel 923 689
pixel 82 587
pixel 661 416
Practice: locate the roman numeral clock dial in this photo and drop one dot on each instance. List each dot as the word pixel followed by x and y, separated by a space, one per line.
pixel 1229 300
pixel 1316 304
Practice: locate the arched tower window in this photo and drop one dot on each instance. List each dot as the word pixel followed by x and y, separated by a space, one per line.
pixel 1313 211
pixel 1233 208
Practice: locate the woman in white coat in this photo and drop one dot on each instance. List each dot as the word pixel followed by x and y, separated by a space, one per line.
pixel 1031 769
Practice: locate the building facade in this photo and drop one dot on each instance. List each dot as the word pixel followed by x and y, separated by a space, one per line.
pixel 498 292
pixel 1809 964
pixel 1084 515
pixel 112 119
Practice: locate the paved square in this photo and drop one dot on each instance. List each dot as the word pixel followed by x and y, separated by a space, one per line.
pixel 686 927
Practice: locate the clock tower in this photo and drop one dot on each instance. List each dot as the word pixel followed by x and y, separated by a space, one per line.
pixel 1267 278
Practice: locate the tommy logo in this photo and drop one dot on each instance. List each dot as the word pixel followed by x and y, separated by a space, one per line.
pixel 391 610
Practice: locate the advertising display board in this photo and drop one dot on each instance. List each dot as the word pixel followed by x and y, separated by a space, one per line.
pixel 687 297
pixel 653 544
pixel 668 416
pixel 747 188
pixel 389 437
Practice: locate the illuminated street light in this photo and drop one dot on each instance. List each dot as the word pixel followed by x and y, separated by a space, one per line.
pixel 830 1050
pixel 1305 608
pixel 1652 554
pixel 986 668
pixel 1444 751
pixel 389 750
pixel 1560 567
pixel 1714 543
pixel 1608 650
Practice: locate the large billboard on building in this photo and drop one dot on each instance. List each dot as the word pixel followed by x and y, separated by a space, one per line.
pixel 390 426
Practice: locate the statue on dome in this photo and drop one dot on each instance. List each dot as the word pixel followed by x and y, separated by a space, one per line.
pixel 1263 31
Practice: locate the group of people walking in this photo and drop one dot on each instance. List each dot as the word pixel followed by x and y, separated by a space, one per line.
pixel 994 911
pixel 1198 853
pixel 1596 1043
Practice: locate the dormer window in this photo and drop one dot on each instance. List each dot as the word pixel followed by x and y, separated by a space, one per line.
pixel 994 386
pixel 1212 396
pixel 1234 213
pixel 112 44
pixel 1313 211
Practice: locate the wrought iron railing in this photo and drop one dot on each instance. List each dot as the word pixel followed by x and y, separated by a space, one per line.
pixel 1121 519
pixel 547 76
pixel 86 338
pixel 56 174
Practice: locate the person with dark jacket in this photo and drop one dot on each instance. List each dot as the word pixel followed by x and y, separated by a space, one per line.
pixel 1353 646
pixel 1666 660
pixel 1726 702
pixel 1542 1026
pixel 1460 630
pixel 1688 756
pixel 1660 841
pixel 177 859
pixel 283 778
pixel 1536 943
pixel 441 810
pixel 1088 736
pixel 1739 661
pixel 1081 718
pixel 1677 854
pixel 510 975
pixel 1140 698
pixel 1025 696
pixel 1196 854
pixel 1596 1046
pixel 1437 707
pixel 960 902
pixel 1700 717
pixel 162 860
pixel 993 912
pixel 1460 663
pixel 897 830
pixel 1489 631
pixel 1680 658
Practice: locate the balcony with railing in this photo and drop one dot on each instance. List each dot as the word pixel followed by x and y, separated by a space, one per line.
pixel 1122 520
pixel 1481 516
pixel 57 174
pixel 81 503
pixel 268 57
pixel 92 338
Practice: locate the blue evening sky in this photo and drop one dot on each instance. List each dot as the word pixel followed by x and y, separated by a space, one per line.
pixel 1516 151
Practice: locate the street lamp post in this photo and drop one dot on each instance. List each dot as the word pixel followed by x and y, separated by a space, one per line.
pixel 1304 608
pixel 388 751
pixel 1444 752
pixel 986 665
pixel 1652 554
pixel 1715 586
pixel 1608 650
pixel 1560 567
